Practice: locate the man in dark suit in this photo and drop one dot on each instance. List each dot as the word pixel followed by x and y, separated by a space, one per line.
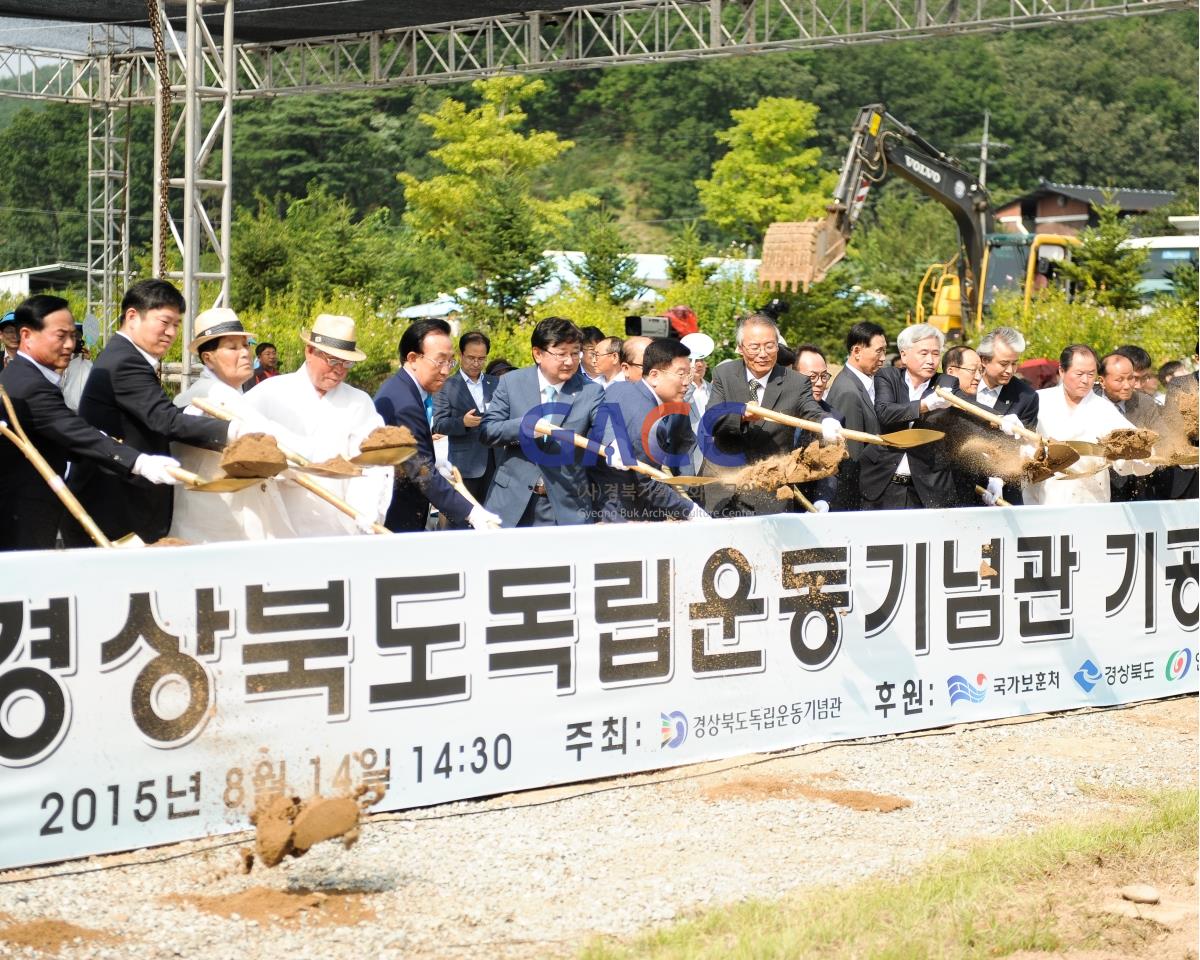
pixel 810 362
pixel 651 415
pixel 737 439
pixel 124 399
pixel 30 513
pixel 894 479
pixel 458 409
pixel 406 400
pixel 540 482
pixel 1118 383
pixel 1180 483
pixel 852 394
pixel 10 339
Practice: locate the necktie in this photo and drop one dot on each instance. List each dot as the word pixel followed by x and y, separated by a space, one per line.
pixel 755 386
pixel 429 408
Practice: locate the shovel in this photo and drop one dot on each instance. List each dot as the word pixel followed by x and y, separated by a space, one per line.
pixel 804 501
pixel 583 443
pixel 223 413
pixel 19 438
pixel 193 481
pixel 901 439
pixel 456 481
pixel 1000 501
pixel 1059 455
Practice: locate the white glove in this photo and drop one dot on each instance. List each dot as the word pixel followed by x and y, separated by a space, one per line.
pixel 1028 451
pixel 831 430
pixel 934 402
pixel 613 456
pixel 1010 425
pixel 481 519
pixel 445 468
pixel 698 513
pixel 1139 468
pixel 154 468
pixel 238 429
pixel 820 506
pixel 363 524
pixel 995 487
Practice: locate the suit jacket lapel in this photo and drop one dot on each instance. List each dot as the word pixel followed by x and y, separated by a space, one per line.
pixel 489 387
pixel 774 388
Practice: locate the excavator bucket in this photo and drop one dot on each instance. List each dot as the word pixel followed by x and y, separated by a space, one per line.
pixel 797 255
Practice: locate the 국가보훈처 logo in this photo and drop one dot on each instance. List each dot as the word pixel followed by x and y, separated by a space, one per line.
pixel 1087 676
pixel 674 728
pixel 962 689
pixel 1178 664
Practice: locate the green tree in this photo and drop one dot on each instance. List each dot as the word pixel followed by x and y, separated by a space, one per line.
pixel 768 174
pixel 685 256
pixel 484 210
pixel 1103 270
pixel 606 271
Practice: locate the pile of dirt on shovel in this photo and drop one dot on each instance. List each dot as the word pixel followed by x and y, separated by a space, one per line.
pixel 288 826
pixel 1129 444
pixel 253 455
pixel 810 462
pixel 338 465
pixel 385 438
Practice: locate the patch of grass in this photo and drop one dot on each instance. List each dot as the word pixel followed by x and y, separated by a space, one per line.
pixel 993 900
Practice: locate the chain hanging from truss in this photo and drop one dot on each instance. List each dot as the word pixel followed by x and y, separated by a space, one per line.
pixel 164 161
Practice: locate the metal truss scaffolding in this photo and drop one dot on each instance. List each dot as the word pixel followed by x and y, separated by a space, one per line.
pixel 208 71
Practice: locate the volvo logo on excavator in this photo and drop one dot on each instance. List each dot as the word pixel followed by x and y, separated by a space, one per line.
pixel 918 167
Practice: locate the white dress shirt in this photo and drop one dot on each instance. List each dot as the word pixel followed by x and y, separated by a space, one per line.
pixel 867 382
pixel 1090 419
pixel 475 388
pixel 914 393
pixel 154 361
pixel 987 396
pixel 52 375
pixel 319 427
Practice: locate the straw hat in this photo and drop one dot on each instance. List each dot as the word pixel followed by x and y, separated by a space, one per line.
pixel 335 336
pixel 214 323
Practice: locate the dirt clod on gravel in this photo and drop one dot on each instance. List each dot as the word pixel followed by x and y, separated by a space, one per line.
pixel 328 908
pixel 384 438
pixel 1129 444
pixel 254 455
pixel 46 935
pixel 810 462
pixel 289 826
pixel 782 788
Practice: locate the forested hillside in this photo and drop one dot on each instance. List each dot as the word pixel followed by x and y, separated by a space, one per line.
pixel 1108 103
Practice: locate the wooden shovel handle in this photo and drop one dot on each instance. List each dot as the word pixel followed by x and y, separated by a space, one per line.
pixel 1000 501
pixel 583 443
pixel 804 501
pixel 994 419
pixel 810 425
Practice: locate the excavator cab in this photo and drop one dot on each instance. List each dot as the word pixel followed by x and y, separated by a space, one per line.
pixel 941 281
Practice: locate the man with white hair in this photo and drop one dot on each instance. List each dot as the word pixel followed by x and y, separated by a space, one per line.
pixel 739 438
pixel 893 479
pixel 1003 392
pixel 324 417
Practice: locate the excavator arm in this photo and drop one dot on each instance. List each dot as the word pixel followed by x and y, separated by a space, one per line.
pixel 880 146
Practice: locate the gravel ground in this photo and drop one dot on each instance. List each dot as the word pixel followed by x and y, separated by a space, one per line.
pixel 536 874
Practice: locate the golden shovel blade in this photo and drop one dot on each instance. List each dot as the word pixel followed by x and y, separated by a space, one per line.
pixel 223 484
pixel 914 437
pixel 688 481
pixel 384 456
pixel 1059 456
pixel 1084 448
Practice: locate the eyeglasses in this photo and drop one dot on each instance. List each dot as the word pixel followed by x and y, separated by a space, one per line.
pixel 819 377
pixel 438 364
pixel 572 357
pixel 755 348
pixel 605 353
pixel 337 363
pixel 973 372
pixel 681 374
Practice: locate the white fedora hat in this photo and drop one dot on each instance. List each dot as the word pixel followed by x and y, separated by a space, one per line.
pixel 335 336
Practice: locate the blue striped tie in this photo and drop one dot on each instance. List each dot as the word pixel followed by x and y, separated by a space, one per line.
pixel 429 408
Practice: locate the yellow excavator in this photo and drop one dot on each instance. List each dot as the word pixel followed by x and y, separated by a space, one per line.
pixel 796 255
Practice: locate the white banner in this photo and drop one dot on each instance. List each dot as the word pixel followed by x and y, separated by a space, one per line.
pixel 154 695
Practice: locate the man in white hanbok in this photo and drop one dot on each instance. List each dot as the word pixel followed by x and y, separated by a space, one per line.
pixel 1072 411
pixel 257 512
pixel 313 412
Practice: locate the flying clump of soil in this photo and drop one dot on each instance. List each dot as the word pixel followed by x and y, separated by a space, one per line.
pixel 254 455
pixel 288 826
pixel 810 462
